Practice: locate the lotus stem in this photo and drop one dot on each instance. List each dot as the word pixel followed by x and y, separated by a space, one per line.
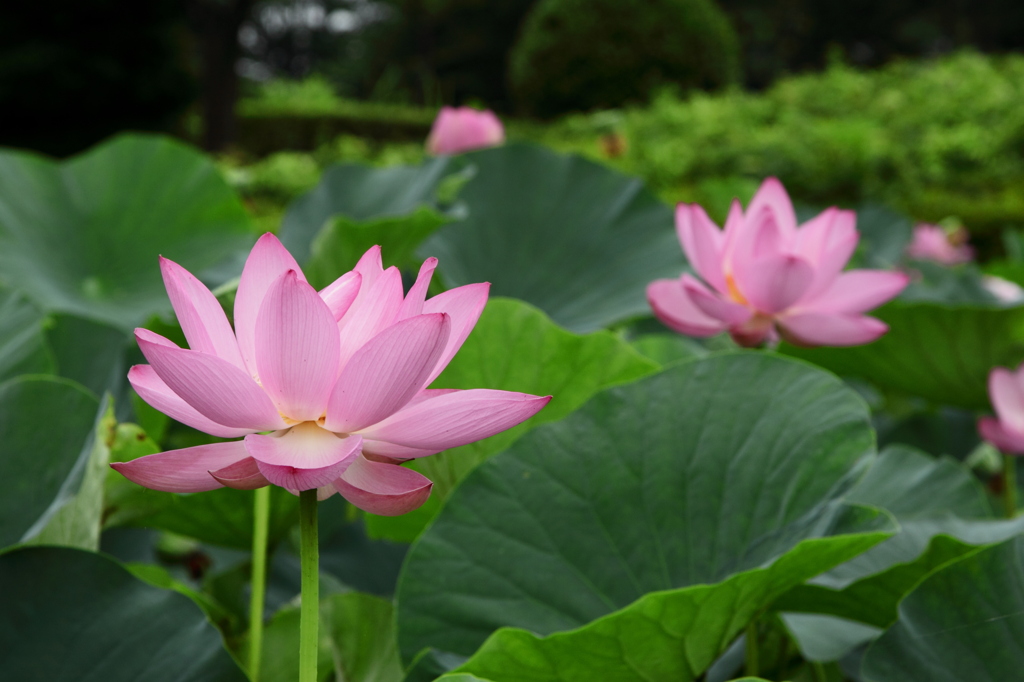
pixel 258 582
pixel 309 617
pixel 1010 486
pixel 752 663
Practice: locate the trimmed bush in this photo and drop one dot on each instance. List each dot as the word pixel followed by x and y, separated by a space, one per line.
pixel 578 55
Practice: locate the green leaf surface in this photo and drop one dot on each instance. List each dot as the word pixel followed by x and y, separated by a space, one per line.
pixel 706 469
pixel 666 349
pixel 964 622
pixel 826 638
pixel 574 238
pixel 942 353
pixel 91 353
pixel 78 521
pixel 83 236
pixel 340 244
pixel 673 635
pixel 359 193
pixel 516 347
pixel 943 516
pixel 45 424
pixel 23 348
pixel 77 616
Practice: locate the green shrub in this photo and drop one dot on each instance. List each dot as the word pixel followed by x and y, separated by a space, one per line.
pixel 577 55
pixel 933 138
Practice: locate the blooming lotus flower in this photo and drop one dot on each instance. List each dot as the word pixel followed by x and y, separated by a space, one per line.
pixel 1006 430
pixel 765 277
pixel 463 129
pixel 323 390
pixel 934 243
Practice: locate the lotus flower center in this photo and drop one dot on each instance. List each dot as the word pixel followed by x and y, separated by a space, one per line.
pixel 734 291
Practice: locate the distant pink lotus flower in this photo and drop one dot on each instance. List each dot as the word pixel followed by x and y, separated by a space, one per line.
pixel 462 129
pixel 764 277
pixel 1006 430
pixel 934 243
pixel 338 379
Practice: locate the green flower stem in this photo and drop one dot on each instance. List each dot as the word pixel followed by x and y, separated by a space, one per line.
pixel 752 665
pixel 1010 486
pixel 261 520
pixel 309 617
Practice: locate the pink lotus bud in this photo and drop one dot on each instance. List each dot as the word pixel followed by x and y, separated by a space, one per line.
pixel 935 243
pixel 764 277
pixel 462 129
pixel 1006 429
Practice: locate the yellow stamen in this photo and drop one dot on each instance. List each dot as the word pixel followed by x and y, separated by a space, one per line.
pixel 734 291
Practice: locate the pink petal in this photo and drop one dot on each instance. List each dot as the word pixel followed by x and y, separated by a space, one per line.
pixel 774 283
pixel 294 479
pixel 462 129
pixel 373 311
pixel 703 243
pixel 297 348
pixel 413 303
pixel 242 475
pixel 998 435
pixel 838 245
pixel 771 199
pixel 713 305
pixel 464 305
pixel 304 446
pixel 386 373
pixel 199 313
pixel 339 294
pixel 214 387
pixel 673 306
pixel 370 266
pixel 267 261
pixel 384 489
pixel 1006 390
pixel 857 291
pixel 455 419
pixel 379 448
pixel 157 394
pixel 183 471
pixel 830 329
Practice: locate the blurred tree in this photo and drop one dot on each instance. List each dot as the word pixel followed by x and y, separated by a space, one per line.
pixel 73 73
pixel 590 54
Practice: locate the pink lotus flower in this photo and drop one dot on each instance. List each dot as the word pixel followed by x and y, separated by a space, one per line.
pixel 1006 430
pixel 764 277
pixel 934 243
pixel 338 379
pixel 463 129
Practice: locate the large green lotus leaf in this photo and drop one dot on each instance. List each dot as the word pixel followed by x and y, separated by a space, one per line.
pixel 943 516
pixel 83 236
pixel 360 193
pixel 68 615
pixel 704 470
pixel 45 427
pixel 940 352
pixel 516 347
pixel 964 622
pixel 340 244
pixel 671 635
pixel 576 239
pixel 91 353
pixel 23 348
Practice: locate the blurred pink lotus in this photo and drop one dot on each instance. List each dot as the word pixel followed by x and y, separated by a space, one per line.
pixel 338 379
pixel 934 243
pixel 462 129
pixel 1006 430
pixel 764 277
